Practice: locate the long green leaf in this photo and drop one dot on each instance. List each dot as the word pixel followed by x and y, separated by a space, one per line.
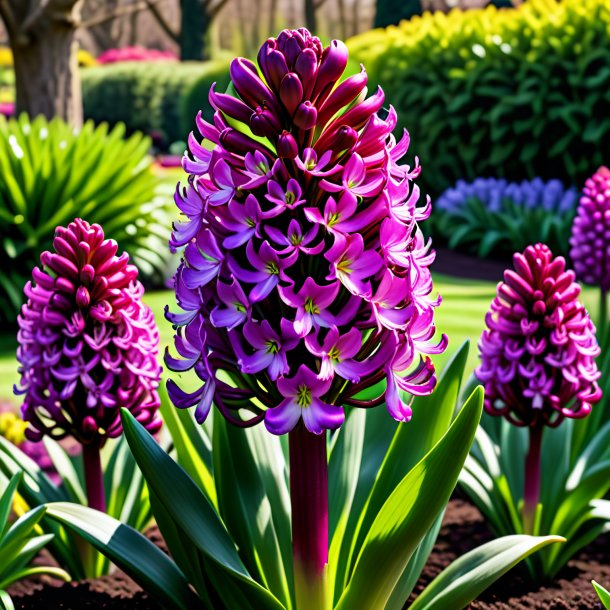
pixel 409 513
pixel 194 513
pixel 467 577
pixel 604 595
pixel 131 551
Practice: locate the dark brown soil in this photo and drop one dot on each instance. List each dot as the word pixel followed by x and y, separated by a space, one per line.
pixel 463 529
pixel 458 264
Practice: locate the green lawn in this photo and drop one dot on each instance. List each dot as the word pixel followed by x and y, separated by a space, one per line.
pixel 460 316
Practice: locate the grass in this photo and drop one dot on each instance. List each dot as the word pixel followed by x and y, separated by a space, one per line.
pixel 461 316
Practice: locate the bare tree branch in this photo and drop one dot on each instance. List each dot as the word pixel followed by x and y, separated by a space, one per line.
pixel 213 11
pixel 143 5
pixel 162 21
pixel 8 17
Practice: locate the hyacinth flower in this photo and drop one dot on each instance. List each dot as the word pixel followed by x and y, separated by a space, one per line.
pixel 590 240
pixel 538 355
pixel 287 283
pixel 87 347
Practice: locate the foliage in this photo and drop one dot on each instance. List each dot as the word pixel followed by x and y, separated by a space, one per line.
pixel 391 484
pixel 20 542
pixel 494 217
pixel 604 595
pixel 515 93
pixel 50 174
pixel 575 479
pixel 157 98
pixel 127 496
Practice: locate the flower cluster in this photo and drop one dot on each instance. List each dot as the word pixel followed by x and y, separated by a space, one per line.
pixel 590 241
pixel 305 276
pixel 112 56
pixel 87 343
pixel 538 351
pixel 550 196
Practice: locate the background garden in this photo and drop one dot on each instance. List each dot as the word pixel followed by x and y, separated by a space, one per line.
pixel 508 111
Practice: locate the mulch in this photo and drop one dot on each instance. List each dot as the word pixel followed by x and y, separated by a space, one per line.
pixel 463 529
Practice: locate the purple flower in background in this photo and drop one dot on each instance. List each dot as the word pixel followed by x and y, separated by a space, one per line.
pixel 538 351
pixel 590 241
pixel 288 286
pixel 87 344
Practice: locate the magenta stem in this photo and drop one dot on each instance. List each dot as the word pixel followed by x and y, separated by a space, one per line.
pixel 531 494
pixel 94 477
pixel 309 499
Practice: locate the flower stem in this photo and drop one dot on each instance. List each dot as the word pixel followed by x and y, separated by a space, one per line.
pixel 531 494
pixel 94 477
pixel 309 499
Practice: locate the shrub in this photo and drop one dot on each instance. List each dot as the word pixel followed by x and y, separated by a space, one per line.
pixel 516 93
pixel 49 174
pixel 147 96
pixel 495 217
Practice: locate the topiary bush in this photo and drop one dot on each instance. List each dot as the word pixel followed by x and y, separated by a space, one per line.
pixel 491 217
pixel 514 93
pixel 51 174
pixel 146 96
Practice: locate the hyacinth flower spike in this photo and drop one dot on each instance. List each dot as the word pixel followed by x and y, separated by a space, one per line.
pixel 287 284
pixel 538 356
pixel 590 240
pixel 88 346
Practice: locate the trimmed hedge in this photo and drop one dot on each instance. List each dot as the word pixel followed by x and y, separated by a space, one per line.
pixel 514 93
pixel 153 97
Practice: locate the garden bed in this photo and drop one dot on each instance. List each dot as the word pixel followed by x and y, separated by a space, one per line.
pixel 463 529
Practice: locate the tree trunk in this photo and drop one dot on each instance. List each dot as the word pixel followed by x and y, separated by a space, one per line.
pixel 47 80
pixel 194 27
pixel 310 16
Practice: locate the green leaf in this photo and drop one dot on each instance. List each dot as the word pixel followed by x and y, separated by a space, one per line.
pixel 604 595
pixel 468 576
pixel 150 567
pixel 194 513
pixel 409 513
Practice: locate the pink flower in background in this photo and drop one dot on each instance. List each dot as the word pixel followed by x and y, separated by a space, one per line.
pixel 112 56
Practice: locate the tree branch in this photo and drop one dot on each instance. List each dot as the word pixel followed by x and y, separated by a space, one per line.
pixel 143 5
pixel 8 17
pixel 163 23
pixel 213 11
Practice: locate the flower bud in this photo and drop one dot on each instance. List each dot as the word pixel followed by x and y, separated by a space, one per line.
pixel 334 61
pixel 305 116
pixel 229 105
pixel 291 92
pixel 287 147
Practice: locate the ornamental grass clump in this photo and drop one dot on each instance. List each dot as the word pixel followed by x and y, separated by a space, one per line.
pixel 88 347
pixel 538 363
pixel 305 292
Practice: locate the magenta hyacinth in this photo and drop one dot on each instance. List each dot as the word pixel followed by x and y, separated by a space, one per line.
pixel 590 241
pixel 305 276
pixel 87 344
pixel 538 351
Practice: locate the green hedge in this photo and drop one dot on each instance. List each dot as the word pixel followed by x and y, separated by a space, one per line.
pixel 513 93
pixel 157 98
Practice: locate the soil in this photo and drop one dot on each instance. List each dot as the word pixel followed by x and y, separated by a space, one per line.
pixel 459 264
pixel 463 529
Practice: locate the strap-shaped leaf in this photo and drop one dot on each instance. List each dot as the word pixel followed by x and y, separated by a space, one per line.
pixel 193 513
pixel 431 418
pixel 409 513
pixel 604 595
pixel 460 583
pixel 150 567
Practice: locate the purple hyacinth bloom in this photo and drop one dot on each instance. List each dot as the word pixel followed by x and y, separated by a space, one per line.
pixel 87 344
pixel 302 399
pixel 538 351
pixel 305 278
pixel 590 241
